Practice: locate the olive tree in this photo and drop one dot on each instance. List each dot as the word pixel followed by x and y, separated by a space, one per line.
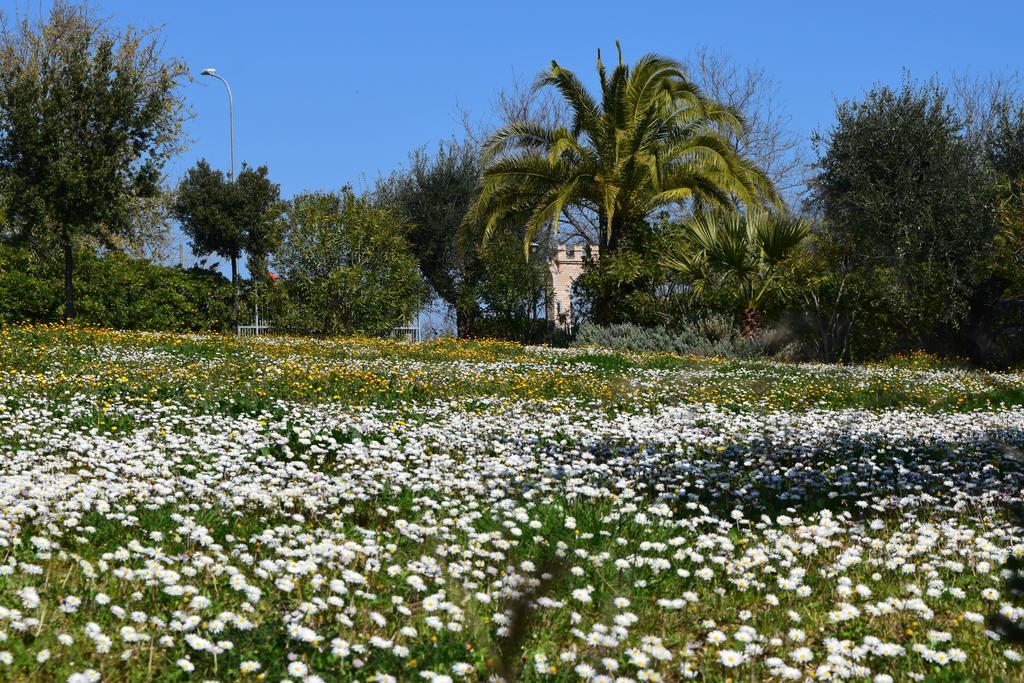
pixel 347 266
pixel 88 117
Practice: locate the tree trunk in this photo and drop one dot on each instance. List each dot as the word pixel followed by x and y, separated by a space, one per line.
pixel 603 306
pixel 614 237
pixel 69 286
pixel 750 324
pixel 234 285
pixel 607 305
pixel 463 323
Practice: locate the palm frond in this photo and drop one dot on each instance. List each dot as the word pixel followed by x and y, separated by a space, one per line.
pixel 586 115
pixel 778 236
pixel 520 135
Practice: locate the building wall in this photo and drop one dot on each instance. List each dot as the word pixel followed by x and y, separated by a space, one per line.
pixel 564 269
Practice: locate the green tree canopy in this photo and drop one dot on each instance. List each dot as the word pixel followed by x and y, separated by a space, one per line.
pixel 494 287
pixel 652 141
pixel 204 205
pixel 434 194
pixel 898 183
pixel 228 218
pixel 905 201
pixel 347 265
pixel 1005 142
pixel 1006 154
pixel 88 117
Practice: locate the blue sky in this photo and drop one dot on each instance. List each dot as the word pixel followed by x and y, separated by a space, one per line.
pixel 328 93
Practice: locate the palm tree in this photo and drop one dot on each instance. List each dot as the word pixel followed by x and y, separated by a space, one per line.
pixel 738 252
pixel 652 142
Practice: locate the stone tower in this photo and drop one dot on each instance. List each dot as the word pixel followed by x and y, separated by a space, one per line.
pixel 564 268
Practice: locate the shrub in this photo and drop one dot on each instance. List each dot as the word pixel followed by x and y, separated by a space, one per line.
pixel 31 289
pixel 707 336
pixel 922 360
pixel 114 291
pixel 347 267
pixel 632 285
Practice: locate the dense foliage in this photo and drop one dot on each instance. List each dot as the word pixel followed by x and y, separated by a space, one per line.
pixel 113 291
pixel 433 194
pixel 347 266
pixel 512 290
pixel 915 243
pixel 906 198
pixel 740 254
pixel 228 216
pixel 494 290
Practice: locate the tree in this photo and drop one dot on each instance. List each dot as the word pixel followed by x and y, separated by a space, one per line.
pixel 1005 142
pixel 981 102
pixel 114 290
pixel 434 194
pixel 150 235
pixel 905 202
pixel 88 118
pixel 512 289
pixel 347 265
pixel 228 218
pixel 490 286
pixel 1006 154
pixel 653 296
pixel 203 205
pixel 653 141
pixel 259 212
pixel 740 253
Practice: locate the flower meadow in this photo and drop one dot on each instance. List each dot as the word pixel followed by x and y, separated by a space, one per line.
pixel 198 508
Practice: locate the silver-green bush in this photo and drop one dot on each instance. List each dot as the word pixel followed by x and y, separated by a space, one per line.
pixel 713 335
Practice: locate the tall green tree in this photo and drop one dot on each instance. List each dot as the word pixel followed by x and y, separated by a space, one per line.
pixel 434 193
pixel 259 211
pixel 493 290
pixel 905 199
pixel 204 206
pixel 1005 152
pixel 227 218
pixel 88 117
pixel 513 289
pixel 651 141
pixel 347 265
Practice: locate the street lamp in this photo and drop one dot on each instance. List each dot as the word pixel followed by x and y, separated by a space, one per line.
pixel 231 116
pixel 231 176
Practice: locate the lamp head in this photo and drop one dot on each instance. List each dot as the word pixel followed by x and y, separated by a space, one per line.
pixel 209 72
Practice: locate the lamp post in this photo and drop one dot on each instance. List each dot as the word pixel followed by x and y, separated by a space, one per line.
pixel 231 115
pixel 231 177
